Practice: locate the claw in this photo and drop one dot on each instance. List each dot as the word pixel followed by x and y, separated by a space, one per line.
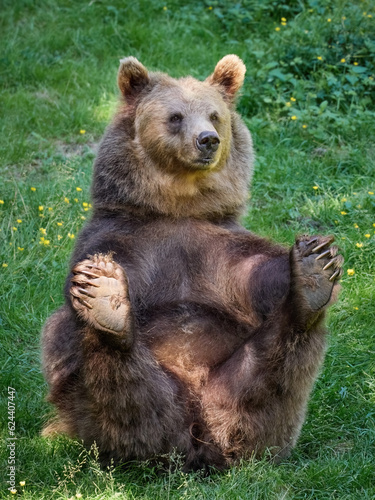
pixel 311 241
pixel 324 254
pixel 336 273
pixel 92 284
pixel 330 263
pixel 85 292
pixel 87 282
pixel 87 273
pixel 82 280
pixel 94 266
pixel 86 304
pixel 322 245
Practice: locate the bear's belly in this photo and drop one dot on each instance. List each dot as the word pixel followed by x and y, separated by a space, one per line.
pixel 189 340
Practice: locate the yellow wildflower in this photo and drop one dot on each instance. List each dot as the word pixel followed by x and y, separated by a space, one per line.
pixel 50 209
pixel 343 18
pixel 343 212
pixel 43 241
pixel 14 228
pixel 368 235
pixel 293 117
pixel 284 24
pixel 71 236
pixel 66 199
pixel 41 208
pixel 288 104
pixel 277 28
pixel 369 15
pixel 350 272
pixel 59 237
pixel 22 483
pixel 356 308
pixel 283 19
pixel 13 491
pixel 293 99
pixel 33 189
pixel 329 20
pixel 19 221
pixel 83 217
pixel 356 226
pixel 343 199
pixel 82 131
pixel 76 200
pixel 371 192
pixel 359 245
pixel 5 265
pixel 78 189
pixel 343 60
pixel 304 125
pixel 60 223
pixel 84 204
pixel 165 7
pixel 315 187
pixel 355 63
pixel 43 231
pixel 20 249
pixel 1 202
pixel 320 58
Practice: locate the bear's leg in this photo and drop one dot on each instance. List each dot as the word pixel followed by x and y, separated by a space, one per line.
pixel 99 294
pixel 103 380
pixel 257 398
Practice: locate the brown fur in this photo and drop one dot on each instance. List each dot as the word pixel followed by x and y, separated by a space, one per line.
pixel 223 334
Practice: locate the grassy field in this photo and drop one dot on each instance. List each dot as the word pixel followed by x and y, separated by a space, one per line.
pixel 309 101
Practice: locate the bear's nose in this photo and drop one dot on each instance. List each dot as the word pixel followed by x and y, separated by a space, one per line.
pixel 208 141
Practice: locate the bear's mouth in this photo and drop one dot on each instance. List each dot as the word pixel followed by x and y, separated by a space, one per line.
pixel 203 163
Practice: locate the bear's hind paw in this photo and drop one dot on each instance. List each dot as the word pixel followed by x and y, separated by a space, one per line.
pixel 317 267
pixel 99 294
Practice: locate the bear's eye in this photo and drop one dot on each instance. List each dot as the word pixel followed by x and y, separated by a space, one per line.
pixel 214 117
pixel 175 118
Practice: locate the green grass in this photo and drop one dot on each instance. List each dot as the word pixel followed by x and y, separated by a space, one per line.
pixel 314 173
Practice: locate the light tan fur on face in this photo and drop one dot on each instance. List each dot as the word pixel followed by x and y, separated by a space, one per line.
pixel 176 152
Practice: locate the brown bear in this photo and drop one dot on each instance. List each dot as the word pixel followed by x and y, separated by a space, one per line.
pixel 181 329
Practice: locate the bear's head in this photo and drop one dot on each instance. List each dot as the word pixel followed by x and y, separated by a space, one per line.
pixel 183 125
pixel 178 146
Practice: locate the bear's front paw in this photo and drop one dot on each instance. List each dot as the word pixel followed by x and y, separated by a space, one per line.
pixel 316 268
pixel 99 294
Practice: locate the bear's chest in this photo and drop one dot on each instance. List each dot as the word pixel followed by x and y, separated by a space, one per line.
pixel 189 262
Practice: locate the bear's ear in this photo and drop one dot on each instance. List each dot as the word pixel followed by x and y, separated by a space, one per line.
pixel 229 74
pixel 132 78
